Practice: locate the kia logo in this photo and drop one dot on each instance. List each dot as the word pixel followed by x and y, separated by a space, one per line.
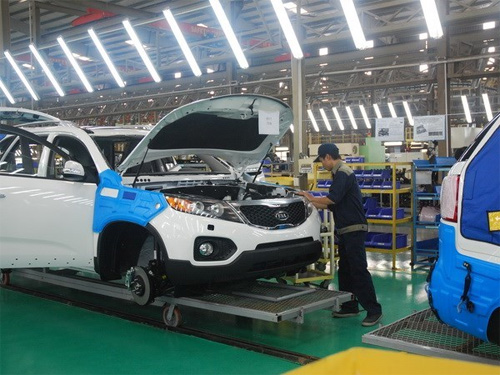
pixel 281 215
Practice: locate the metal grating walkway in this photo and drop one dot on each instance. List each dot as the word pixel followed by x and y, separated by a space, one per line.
pixel 422 333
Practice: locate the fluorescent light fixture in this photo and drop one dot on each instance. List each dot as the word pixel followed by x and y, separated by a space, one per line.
pixel 466 109
pixel 21 75
pixel 106 58
pixel 351 117
pixel 228 30
pixel 377 111
pixel 369 44
pixel 142 52
pixel 46 69
pixel 177 74
pixel 323 51
pixel 368 73
pixel 287 28
pixel 432 18
pixel 182 42
pixel 7 93
pixel 80 57
pixel 486 101
pixel 313 120
pixel 423 68
pixel 365 116
pixel 337 117
pixel 489 25
pixel 354 25
pixel 73 62
pixel 325 119
pixel 408 113
pixel 392 110
pixel 29 66
pixel 423 36
pixel 393 143
pixel 491 49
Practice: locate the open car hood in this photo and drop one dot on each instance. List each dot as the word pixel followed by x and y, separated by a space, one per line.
pixel 225 126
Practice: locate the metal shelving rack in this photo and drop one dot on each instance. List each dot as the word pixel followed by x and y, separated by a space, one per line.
pixel 425 251
pixel 394 193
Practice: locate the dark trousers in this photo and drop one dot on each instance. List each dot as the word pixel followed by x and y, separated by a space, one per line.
pixel 353 273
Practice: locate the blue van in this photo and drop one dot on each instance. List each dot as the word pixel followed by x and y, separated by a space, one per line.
pixel 464 284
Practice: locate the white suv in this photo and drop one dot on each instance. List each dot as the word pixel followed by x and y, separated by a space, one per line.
pixel 176 212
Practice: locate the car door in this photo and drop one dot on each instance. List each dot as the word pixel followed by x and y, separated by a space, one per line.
pixel 45 221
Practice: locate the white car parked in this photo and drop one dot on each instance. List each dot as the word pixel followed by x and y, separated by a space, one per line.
pixel 177 211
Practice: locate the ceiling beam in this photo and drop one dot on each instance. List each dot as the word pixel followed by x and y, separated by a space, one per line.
pixel 112 8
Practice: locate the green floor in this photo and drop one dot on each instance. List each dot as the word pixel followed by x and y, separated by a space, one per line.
pixel 44 337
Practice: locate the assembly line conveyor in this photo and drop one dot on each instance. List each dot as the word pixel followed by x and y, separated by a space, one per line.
pixel 262 300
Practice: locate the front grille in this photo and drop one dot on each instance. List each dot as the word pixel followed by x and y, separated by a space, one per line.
pixel 275 217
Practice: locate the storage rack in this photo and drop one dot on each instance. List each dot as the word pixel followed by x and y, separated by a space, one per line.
pixel 426 251
pixel 389 187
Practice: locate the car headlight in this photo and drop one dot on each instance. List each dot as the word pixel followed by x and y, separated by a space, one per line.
pixel 310 208
pixel 204 207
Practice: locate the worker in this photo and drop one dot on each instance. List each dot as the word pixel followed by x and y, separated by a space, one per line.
pixel 344 200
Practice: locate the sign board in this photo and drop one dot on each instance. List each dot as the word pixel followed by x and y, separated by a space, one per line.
pixel 390 129
pixel 429 128
pixel 269 122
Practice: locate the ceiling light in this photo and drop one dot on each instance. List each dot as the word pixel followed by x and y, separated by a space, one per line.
pixel 21 75
pixel 423 36
pixel 392 110
pixel 80 57
pixel 29 66
pixel 287 28
pixel 369 58
pixel 313 120
pixel 408 113
pixel 351 117
pixel 323 51
pixel 46 69
pixel 228 30
pixel 489 25
pixel 393 143
pixel 491 49
pixel 106 58
pixel 377 111
pixel 292 128
pixel 424 68
pixel 7 93
pixel 365 116
pixel 432 18
pixel 354 25
pixel 368 73
pixel 142 52
pixel 337 117
pixel 325 119
pixel 369 44
pixel 466 109
pixel 486 101
pixel 74 63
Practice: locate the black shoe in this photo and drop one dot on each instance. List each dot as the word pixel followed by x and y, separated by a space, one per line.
pixel 371 320
pixel 344 313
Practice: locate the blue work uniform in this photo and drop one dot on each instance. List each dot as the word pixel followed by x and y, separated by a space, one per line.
pixel 351 227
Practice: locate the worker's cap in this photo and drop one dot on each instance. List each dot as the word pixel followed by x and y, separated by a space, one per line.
pixel 327 148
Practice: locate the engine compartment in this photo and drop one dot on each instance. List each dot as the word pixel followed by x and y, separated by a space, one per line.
pixel 237 191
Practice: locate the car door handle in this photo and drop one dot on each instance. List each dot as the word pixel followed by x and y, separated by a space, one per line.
pixel 2 195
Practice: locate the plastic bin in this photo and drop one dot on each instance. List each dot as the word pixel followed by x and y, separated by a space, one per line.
pixel 369 203
pixel 373 213
pixel 388 185
pixel 354 159
pixel 321 184
pixel 377 184
pixel 421 163
pixel 430 244
pixel 358 173
pixel 369 238
pixel 445 161
pixel 384 240
pixel 386 213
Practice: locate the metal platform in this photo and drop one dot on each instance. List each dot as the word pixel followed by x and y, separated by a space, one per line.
pixel 422 333
pixel 258 299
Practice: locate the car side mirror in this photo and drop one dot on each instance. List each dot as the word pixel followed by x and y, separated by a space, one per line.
pixel 73 171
